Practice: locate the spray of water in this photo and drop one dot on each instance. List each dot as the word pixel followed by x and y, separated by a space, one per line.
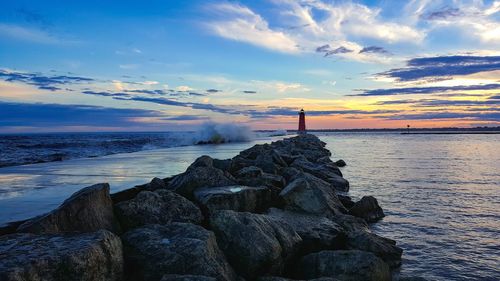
pixel 211 132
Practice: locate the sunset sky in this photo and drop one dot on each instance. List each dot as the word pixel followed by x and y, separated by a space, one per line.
pixel 172 65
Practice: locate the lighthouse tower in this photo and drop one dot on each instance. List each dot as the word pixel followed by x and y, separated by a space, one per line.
pixel 302 122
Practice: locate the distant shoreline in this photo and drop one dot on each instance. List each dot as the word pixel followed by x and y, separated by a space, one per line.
pixel 451 133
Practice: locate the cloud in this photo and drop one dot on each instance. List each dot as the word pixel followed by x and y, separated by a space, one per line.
pixel 441 103
pixel 56 115
pixel 490 116
pixel 186 118
pixel 29 34
pixel 239 23
pixel 341 23
pixel 213 91
pixel 105 94
pixel 425 90
pixel 328 51
pixel 374 50
pixel 443 66
pixel 249 92
pixel 184 88
pixel 42 82
pixel 443 13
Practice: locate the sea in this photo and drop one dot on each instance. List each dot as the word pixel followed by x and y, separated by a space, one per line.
pixel 440 193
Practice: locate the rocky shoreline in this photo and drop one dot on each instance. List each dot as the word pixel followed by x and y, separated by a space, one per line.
pixel 274 212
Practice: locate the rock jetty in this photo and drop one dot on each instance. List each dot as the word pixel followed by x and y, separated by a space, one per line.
pixel 275 211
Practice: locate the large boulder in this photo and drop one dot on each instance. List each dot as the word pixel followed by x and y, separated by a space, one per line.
pixel 236 197
pixel 87 210
pixel 156 250
pixel 59 257
pixel 317 233
pixel 127 194
pixel 328 172
pixel 270 162
pixel 311 195
pixel 349 265
pixel 368 209
pixel 200 174
pixel 156 207
pixel 384 248
pixel 254 244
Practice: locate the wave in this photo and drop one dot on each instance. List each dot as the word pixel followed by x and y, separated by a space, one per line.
pixel 215 133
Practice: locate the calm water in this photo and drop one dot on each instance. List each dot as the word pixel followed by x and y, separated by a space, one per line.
pixel 441 193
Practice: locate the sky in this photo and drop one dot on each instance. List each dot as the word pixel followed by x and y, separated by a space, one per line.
pixel 173 65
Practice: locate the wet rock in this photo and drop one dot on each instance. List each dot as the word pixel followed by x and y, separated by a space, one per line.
pixel 344 265
pixel 368 209
pixel 340 163
pixel 311 195
pixel 351 223
pixel 317 233
pixel 253 244
pixel 156 250
pixel 324 160
pixel 175 277
pixel 200 174
pixel 411 278
pixel 156 207
pixel 69 256
pixel 237 198
pixel 87 210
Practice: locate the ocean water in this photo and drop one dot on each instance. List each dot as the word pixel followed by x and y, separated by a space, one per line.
pixel 440 193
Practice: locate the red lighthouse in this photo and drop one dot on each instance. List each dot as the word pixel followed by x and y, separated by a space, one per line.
pixel 302 122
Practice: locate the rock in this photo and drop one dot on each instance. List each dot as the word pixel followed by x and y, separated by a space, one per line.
pixel 223 165
pixel 344 265
pixel 156 207
pixel 239 162
pixel 346 201
pixel 277 278
pixel 200 174
pixel 87 210
pixel 127 194
pixel 290 173
pixel 58 257
pixel 253 244
pixel 266 179
pixel 368 209
pixel 156 250
pixel 351 223
pixel 340 163
pixel 237 198
pixel 175 277
pixel 324 160
pixel 384 248
pixel 249 172
pixel 311 195
pixel 327 172
pixel 270 162
pixel 317 233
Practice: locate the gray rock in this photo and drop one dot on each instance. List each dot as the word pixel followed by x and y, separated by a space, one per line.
pixel 340 163
pixel 200 174
pixel 59 257
pixel 350 265
pixel 249 172
pixel 156 207
pixel 311 195
pixel 87 210
pixel 270 162
pixel 237 198
pixel 317 233
pixel 254 244
pixel 127 194
pixel 176 277
pixel 328 172
pixel 346 201
pixel 368 209
pixel 324 160
pixel 156 250
pixel 265 179
pixel 384 248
